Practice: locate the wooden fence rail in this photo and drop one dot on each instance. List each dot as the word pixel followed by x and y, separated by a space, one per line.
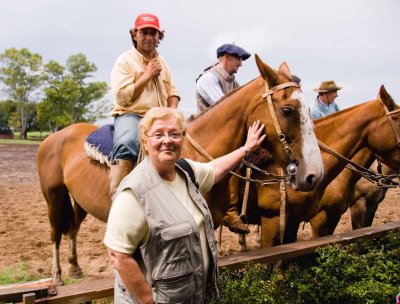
pixel 97 289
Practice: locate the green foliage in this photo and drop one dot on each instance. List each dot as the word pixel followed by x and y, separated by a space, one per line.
pixel 65 95
pixel 104 301
pixel 21 74
pixel 19 274
pixel 364 272
pixel 68 97
pixel 7 107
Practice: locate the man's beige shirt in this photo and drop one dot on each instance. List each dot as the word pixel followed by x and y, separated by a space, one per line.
pixel 127 69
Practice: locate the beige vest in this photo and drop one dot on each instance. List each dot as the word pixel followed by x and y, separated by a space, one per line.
pixel 226 82
pixel 171 259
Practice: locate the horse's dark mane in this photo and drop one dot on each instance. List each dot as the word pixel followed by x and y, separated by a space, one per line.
pixel 195 116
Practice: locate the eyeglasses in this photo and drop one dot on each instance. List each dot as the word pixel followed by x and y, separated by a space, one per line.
pixel 172 136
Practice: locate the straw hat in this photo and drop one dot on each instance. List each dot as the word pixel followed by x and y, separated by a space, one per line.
pixel 327 86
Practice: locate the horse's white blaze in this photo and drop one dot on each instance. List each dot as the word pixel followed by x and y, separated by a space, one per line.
pixel 310 150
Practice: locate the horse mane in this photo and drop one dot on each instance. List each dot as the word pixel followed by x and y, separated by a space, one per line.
pixel 195 116
pixel 327 117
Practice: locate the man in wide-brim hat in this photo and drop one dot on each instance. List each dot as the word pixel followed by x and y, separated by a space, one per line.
pixel 325 102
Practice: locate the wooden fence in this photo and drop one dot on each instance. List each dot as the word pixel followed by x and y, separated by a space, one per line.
pixel 102 288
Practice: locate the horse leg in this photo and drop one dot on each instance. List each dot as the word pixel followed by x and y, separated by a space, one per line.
pixel 370 214
pixel 55 265
pixel 242 242
pixel 319 224
pixel 291 229
pixel 358 211
pixel 373 205
pixel 257 234
pixel 269 231
pixel 75 270
pixel 333 221
pixel 59 210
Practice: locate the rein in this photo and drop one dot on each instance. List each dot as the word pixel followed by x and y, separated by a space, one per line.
pixel 379 180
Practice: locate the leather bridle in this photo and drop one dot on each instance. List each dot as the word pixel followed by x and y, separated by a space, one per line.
pixel 292 167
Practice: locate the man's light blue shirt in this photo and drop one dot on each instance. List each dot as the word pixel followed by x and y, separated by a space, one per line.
pixel 319 109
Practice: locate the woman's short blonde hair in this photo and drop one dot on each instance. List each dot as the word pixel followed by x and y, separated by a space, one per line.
pixel 159 113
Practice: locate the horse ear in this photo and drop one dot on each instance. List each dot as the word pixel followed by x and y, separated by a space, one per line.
pixel 386 98
pixel 284 68
pixel 266 72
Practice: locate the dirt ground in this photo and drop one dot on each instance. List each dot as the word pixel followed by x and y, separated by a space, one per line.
pixel 25 230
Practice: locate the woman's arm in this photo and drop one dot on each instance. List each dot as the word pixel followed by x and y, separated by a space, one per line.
pixel 132 276
pixel 230 161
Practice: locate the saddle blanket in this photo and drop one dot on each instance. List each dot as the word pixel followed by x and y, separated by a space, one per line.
pixel 99 144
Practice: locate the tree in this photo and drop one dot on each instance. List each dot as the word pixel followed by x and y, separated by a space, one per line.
pixel 68 97
pixel 6 108
pixel 21 74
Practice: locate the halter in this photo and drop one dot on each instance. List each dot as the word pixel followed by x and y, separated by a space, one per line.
pixel 292 167
pixel 392 123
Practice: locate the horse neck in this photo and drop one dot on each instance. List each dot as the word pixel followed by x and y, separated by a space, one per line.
pixel 220 129
pixel 346 133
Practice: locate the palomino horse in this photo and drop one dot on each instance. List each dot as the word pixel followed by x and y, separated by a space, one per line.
pixel 345 132
pixel 65 171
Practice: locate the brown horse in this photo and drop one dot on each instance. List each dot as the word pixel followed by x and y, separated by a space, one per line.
pixel 65 172
pixel 338 195
pixel 366 199
pixel 349 189
pixel 345 132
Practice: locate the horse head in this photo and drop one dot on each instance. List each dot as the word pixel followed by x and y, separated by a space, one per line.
pixel 289 129
pixel 385 137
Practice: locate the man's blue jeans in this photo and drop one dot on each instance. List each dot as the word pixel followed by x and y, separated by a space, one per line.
pixel 126 137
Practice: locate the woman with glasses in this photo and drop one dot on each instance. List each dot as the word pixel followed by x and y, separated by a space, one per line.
pixel 160 233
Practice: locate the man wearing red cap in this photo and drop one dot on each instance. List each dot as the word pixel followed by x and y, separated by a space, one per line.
pixel 140 79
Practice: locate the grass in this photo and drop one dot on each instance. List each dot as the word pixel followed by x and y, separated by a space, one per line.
pixel 19 142
pixel 20 274
pixel 34 138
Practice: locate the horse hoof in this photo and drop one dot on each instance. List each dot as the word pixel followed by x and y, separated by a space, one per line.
pixel 244 248
pixel 58 281
pixel 75 272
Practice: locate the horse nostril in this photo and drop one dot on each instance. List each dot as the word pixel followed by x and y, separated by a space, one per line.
pixel 310 180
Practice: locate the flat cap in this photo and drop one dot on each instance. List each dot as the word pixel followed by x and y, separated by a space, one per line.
pixel 232 49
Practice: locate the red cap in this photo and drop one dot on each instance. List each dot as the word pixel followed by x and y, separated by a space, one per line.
pixel 147 20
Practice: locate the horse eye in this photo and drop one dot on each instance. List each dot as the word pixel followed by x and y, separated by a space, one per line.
pixel 287 111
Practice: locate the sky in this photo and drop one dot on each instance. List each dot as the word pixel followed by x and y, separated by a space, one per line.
pixel 356 43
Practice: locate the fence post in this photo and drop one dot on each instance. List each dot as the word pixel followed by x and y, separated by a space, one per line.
pixel 28 298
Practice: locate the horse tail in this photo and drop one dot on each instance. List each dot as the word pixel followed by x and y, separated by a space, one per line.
pixel 68 223
pixel 60 212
